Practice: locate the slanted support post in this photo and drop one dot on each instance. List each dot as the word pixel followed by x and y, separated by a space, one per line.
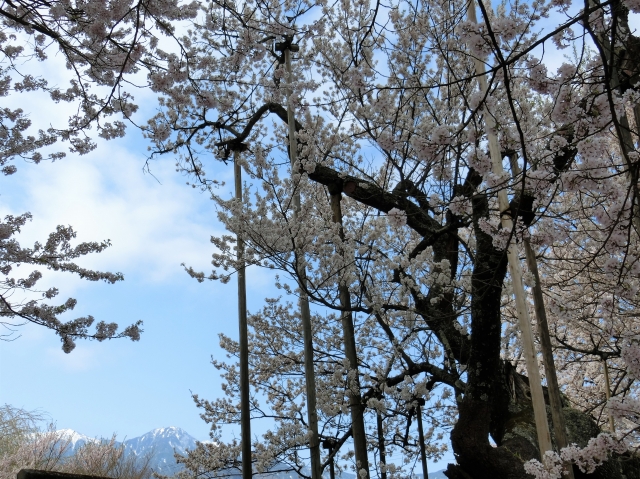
pixel 555 400
pixel 286 48
pixel 245 405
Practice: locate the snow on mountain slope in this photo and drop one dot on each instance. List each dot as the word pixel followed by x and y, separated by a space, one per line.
pixel 76 439
pixel 166 437
pixel 162 443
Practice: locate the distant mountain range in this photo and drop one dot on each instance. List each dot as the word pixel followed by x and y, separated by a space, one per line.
pixel 166 441
pixel 163 442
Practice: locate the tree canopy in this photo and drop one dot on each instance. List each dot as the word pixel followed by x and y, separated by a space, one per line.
pixel 103 45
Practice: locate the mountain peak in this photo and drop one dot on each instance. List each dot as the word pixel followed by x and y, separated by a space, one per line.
pixel 75 438
pixel 168 431
pixel 162 443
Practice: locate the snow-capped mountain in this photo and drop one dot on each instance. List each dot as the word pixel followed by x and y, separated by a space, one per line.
pixel 76 439
pixel 162 443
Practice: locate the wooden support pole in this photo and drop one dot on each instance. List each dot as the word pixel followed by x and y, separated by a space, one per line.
pixel 305 312
pixel 381 446
pixel 423 453
pixel 555 399
pixel 245 406
pixel 612 424
pixel 353 386
pixel 330 444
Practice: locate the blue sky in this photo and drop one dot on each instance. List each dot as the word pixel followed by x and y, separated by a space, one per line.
pixel 154 223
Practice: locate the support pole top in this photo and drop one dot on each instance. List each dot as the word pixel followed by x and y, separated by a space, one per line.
pixel 238 146
pixel 287 44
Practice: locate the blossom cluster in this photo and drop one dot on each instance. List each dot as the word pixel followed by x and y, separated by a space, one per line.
pixel 57 254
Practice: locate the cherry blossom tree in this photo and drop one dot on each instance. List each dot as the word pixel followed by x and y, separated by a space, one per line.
pixel 57 254
pixel 103 45
pixel 392 127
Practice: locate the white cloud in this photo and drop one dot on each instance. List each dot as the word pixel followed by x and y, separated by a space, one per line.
pixel 153 226
pixel 82 359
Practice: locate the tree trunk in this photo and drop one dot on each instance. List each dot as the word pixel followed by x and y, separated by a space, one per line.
pixel 512 427
pixel 476 457
pixel 524 322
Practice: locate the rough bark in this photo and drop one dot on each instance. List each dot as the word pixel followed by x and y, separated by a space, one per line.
pixel 470 436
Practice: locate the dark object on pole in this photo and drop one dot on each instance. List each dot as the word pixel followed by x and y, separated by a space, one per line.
pixel 330 444
pixel 287 45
